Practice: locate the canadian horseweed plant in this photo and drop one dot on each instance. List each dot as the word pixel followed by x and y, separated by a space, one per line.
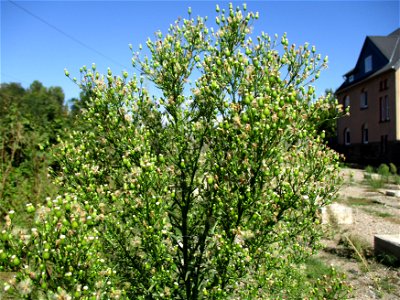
pixel 208 189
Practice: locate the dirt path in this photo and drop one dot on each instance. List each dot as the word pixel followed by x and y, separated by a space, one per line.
pixel 373 213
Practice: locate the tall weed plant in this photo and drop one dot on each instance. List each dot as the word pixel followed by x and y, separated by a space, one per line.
pixel 209 189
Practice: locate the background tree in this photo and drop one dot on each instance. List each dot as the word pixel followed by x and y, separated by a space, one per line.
pixel 31 120
pixel 77 104
pixel 328 121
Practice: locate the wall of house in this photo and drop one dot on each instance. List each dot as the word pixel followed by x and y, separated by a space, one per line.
pixel 383 135
pixel 397 104
pixel 371 116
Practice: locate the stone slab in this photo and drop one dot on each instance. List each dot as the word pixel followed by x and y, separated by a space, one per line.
pixel 337 213
pixel 392 193
pixel 387 244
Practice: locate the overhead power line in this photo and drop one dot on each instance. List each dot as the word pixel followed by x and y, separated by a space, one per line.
pixel 12 77
pixel 67 34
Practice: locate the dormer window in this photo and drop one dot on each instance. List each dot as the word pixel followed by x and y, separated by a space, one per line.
pixel 351 78
pixel 368 64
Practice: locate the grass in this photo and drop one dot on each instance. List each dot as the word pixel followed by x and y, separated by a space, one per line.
pixel 316 268
pixel 375 183
pixel 388 284
pixel 331 283
pixel 354 201
pixel 378 213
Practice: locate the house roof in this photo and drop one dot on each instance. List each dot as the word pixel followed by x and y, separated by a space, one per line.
pixel 389 46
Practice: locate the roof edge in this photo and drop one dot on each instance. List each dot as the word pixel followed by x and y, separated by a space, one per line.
pixel 342 89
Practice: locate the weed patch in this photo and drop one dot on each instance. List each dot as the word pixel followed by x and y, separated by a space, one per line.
pixel 357 248
pixel 353 201
pixel 316 268
pixel 377 213
pixel 388 284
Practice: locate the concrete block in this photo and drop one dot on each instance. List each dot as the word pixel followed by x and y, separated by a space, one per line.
pixel 337 213
pixel 387 244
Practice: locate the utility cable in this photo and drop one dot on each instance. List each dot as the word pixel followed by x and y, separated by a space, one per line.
pixel 12 77
pixel 66 34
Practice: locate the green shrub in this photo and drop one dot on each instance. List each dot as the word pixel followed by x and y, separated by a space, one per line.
pixel 393 169
pixel 368 172
pixel 376 183
pixel 384 172
pixel 369 169
pixel 208 190
pixel 397 179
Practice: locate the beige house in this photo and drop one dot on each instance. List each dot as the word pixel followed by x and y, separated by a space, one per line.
pixel 371 134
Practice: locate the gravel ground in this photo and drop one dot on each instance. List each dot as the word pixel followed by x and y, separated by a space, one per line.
pixel 373 213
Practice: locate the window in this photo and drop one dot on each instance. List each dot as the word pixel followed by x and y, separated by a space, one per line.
pixel 346 102
pixel 384 108
pixel 347 136
pixel 383 85
pixel 364 99
pixel 368 64
pixel 351 78
pixel 364 134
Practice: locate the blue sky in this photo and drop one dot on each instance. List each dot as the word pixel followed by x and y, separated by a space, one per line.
pixel 76 33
